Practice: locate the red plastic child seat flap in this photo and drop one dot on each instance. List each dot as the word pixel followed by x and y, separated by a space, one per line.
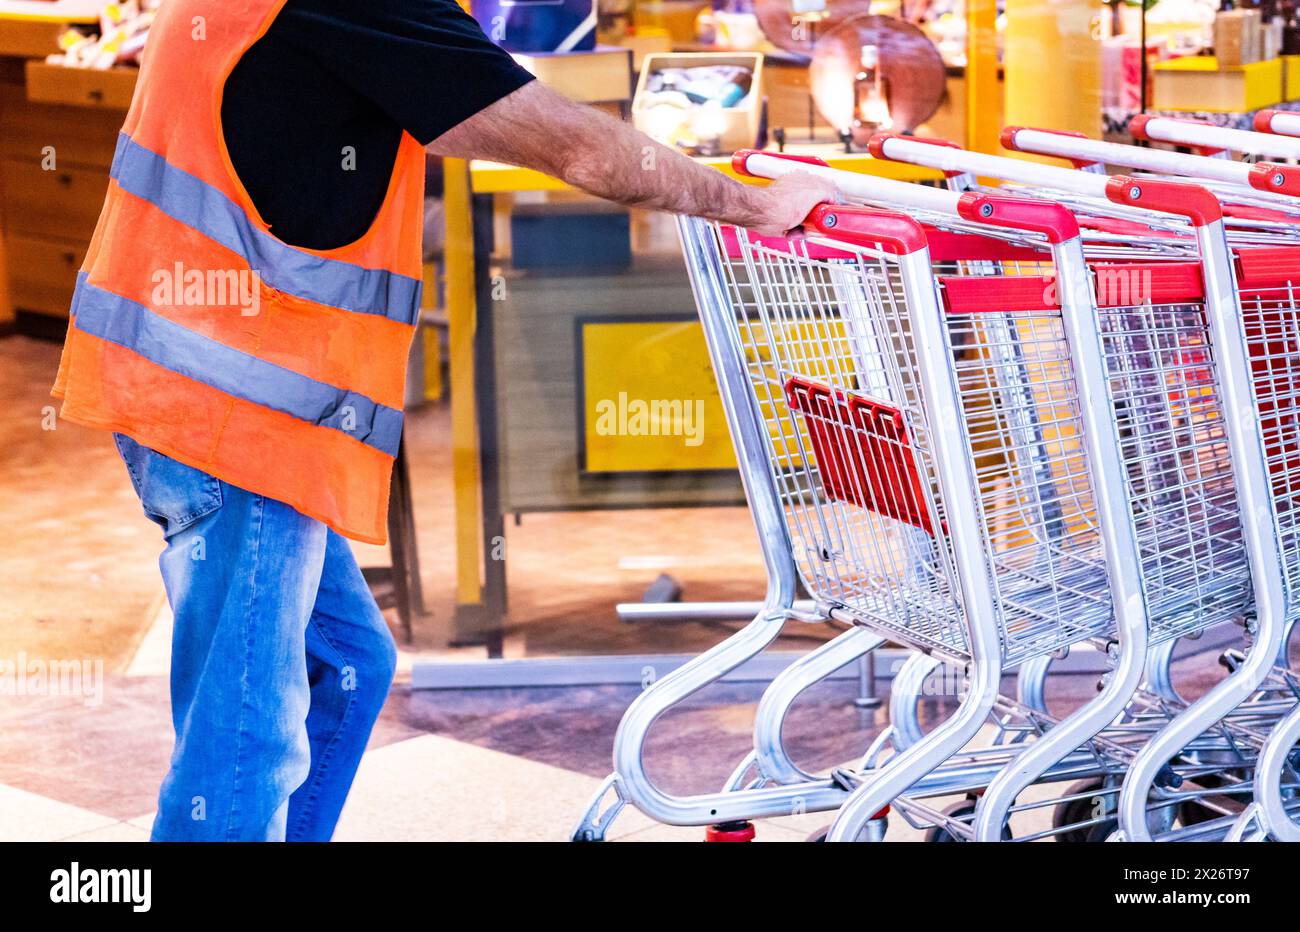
pixel 1270 324
pixel 1117 284
pixel 976 294
pixel 946 246
pixel 1268 267
pixel 1250 212
pixel 862 450
pixel 1129 284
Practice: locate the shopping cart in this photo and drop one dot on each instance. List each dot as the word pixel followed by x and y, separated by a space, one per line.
pixel 840 354
pixel 1255 298
pixel 1267 279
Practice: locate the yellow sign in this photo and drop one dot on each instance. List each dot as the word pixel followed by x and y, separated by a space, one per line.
pixel 649 400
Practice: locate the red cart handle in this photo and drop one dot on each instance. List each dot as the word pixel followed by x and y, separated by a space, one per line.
pixel 1171 197
pixel 1263 121
pixel 1278 122
pixel 891 232
pixel 1274 178
pixel 1056 221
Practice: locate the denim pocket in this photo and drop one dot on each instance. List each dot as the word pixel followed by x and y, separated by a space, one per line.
pixel 173 495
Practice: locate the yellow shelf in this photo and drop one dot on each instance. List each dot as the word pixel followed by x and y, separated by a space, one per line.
pixel 495 178
pixel 1198 83
pixel 1291 79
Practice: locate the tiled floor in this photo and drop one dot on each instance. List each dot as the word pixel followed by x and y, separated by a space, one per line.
pixel 465 765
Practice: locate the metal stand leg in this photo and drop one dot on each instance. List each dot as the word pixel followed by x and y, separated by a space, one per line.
pixel 867 697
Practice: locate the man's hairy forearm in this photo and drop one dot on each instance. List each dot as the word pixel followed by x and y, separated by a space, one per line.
pixel 537 128
pixel 630 168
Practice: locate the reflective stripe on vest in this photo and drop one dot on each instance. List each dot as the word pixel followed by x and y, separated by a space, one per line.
pixel 326 281
pixel 167 344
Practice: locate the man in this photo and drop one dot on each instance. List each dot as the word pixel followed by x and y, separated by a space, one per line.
pixel 242 322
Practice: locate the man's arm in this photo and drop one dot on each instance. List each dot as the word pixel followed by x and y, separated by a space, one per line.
pixel 537 128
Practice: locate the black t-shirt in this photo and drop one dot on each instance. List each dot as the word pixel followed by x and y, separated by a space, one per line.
pixel 314 111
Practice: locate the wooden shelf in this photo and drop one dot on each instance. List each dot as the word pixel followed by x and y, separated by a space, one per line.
pixel 80 87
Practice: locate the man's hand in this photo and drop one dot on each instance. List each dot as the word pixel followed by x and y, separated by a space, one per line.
pixel 791 197
pixel 537 128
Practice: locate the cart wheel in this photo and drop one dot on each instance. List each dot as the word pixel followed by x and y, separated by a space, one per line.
pixel 730 832
pixel 1078 811
pixel 959 810
pixel 819 836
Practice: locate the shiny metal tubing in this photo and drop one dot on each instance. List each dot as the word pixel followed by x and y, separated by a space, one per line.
pixel 1104 459
pixel 957 485
pixel 1232 362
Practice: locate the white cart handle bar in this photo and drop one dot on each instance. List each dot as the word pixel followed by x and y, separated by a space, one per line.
pixel 860 224
pixel 1192 201
pixel 953 160
pixel 773 165
pixel 1264 176
pixel 1192 133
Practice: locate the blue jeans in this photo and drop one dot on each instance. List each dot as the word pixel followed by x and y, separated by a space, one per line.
pixel 281 661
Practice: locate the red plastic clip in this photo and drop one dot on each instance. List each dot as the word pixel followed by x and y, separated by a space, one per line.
pixel 1170 197
pixel 1054 220
pixel 1279 179
pixel 865 226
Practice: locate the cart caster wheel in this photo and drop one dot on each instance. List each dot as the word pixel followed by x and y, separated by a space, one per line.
pixel 959 810
pixel 1077 811
pixel 819 836
pixel 730 832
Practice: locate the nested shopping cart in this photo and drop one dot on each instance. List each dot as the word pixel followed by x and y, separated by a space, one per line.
pixel 1252 292
pixel 1268 276
pixel 927 436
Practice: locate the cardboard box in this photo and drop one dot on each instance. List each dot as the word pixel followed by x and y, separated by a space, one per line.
pixel 739 124
pixel 1200 84
pixel 1237 37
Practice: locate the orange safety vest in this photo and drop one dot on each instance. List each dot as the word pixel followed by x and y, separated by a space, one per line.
pixel 295 394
